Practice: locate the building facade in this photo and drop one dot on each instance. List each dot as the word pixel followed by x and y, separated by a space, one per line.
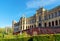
pixel 42 18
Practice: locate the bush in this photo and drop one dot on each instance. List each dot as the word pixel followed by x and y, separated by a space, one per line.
pixel 33 38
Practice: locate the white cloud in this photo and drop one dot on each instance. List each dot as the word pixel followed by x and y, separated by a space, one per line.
pixel 39 3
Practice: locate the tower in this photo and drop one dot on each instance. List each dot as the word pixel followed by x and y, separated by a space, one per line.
pixel 23 22
pixel 13 22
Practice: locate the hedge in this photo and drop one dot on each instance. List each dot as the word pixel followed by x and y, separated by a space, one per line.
pixel 36 38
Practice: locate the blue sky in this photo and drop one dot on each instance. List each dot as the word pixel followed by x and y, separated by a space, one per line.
pixel 14 9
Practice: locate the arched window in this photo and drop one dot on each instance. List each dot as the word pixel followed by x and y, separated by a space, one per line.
pixel 45 24
pixel 52 23
pixel 26 27
pixel 32 26
pixel 39 24
pixel 49 24
pixel 23 27
pixel 59 13
pixel 39 18
pixel 59 22
pixel 56 22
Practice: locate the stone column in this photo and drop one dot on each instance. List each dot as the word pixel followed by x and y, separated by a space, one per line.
pixel 47 24
pixel 42 24
pixel 37 19
pixel 25 24
pixel 54 23
pixel 51 23
pixel 36 24
pixel 22 27
pixel 58 22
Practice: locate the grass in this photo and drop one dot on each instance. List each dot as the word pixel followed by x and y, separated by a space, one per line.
pixel 25 37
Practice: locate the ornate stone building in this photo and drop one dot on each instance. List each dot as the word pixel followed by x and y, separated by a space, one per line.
pixel 42 18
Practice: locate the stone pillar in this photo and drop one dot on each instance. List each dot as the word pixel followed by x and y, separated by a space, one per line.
pixel 42 16
pixel 36 24
pixel 58 22
pixel 51 23
pixel 22 27
pixel 37 19
pixel 54 23
pixel 25 24
pixel 42 24
pixel 47 24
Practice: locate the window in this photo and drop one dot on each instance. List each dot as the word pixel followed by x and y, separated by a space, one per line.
pixel 49 16
pixel 32 26
pixel 32 21
pixel 16 29
pixel 56 22
pixel 52 23
pixel 26 22
pixel 39 24
pixel 39 18
pixel 45 24
pixel 45 17
pixel 23 27
pixel 40 12
pixel 55 14
pixel 49 24
pixel 52 15
pixel 26 27
pixel 59 22
pixel 59 13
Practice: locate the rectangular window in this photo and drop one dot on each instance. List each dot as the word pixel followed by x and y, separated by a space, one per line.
pixel 45 17
pixel 59 13
pixel 23 27
pixel 39 18
pixel 55 14
pixel 59 22
pixel 52 15
pixel 49 16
